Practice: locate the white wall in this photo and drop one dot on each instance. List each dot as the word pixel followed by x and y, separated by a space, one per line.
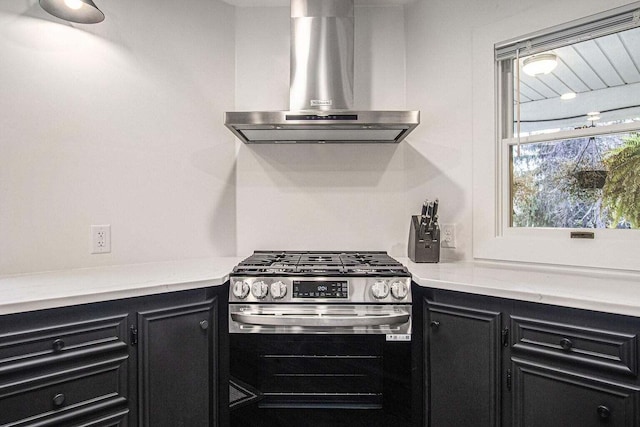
pixel 116 123
pixel 315 197
pixel 361 197
pixel 121 123
pixel 418 56
pixel 440 81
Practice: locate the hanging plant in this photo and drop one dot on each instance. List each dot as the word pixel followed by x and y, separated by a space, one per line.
pixel 590 178
pixel 589 171
pixel 622 188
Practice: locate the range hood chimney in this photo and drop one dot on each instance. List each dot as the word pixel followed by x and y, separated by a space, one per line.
pixel 321 87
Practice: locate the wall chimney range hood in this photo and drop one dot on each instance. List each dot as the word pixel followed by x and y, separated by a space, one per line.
pixel 321 87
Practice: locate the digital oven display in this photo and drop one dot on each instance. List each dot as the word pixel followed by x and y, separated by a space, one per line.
pixel 320 289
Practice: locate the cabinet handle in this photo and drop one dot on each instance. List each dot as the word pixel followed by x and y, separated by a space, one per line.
pixel 566 344
pixel 58 400
pixel 434 324
pixel 57 345
pixel 204 325
pixel 505 337
pixel 604 412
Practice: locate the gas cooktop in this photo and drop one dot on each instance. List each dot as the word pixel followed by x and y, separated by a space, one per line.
pixel 275 277
pixel 320 263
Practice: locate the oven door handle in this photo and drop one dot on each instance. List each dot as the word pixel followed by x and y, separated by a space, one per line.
pixel 321 321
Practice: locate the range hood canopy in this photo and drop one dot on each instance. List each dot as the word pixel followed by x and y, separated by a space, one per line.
pixel 321 87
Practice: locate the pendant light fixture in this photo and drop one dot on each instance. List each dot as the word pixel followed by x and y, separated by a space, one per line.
pixel 80 11
pixel 540 64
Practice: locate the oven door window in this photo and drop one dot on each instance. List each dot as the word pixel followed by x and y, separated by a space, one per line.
pixel 324 375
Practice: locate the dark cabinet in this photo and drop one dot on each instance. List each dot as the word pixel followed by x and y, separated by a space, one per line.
pixel 548 397
pixel 497 362
pixel 65 367
pixel 174 368
pixel 463 350
pixel 573 367
pixel 147 361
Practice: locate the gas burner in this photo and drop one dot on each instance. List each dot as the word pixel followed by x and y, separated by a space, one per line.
pixel 318 258
pixel 370 258
pixel 322 258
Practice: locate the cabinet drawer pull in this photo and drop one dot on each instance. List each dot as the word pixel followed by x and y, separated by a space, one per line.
pixel 434 324
pixel 204 325
pixel 604 412
pixel 566 344
pixel 58 345
pixel 58 400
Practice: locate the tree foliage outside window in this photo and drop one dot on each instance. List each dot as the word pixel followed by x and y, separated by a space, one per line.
pixel 548 189
pixel 621 191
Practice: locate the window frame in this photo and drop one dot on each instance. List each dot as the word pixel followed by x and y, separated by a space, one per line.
pixel 493 237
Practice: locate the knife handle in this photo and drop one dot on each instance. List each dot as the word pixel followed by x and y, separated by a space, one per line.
pixel 424 207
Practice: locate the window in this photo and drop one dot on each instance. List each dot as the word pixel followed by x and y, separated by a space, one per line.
pixel 567 101
pixel 567 135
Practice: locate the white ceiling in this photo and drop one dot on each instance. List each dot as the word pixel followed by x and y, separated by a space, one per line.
pixel 603 72
pixel 602 63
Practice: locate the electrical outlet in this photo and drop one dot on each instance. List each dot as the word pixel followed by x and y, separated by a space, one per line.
pixel 100 239
pixel 448 235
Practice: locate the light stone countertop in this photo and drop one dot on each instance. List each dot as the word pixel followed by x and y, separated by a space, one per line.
pixel 610 293
pixel 613 293
pixel 37 291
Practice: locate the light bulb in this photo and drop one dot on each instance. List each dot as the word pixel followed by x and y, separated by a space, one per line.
pixel 73 4
pixel 567 96
pixel 540 64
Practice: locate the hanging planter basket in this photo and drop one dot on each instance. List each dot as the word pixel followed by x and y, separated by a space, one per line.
pixel 590 178
pixel 589 172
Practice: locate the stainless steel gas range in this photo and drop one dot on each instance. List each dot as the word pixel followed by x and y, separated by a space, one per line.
pixel 320 339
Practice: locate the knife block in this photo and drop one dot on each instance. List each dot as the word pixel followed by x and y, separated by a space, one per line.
pixel 424 245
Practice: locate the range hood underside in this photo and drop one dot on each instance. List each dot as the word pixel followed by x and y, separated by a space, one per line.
pixel 322 127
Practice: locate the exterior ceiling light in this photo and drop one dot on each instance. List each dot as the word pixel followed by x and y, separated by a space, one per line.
pixel 80 11
pixel 540 64
pixel 593 116
pixel 567 96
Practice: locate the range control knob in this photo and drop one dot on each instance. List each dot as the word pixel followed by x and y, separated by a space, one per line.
pixel 278 290
pixel 380 289
pixel 399 290
pixel 259 289
pixel 241 289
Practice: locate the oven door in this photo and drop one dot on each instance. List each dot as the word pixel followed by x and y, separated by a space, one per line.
pixel 320 366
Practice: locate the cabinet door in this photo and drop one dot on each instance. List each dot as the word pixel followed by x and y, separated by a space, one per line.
pixel 549 397
pixel 176 366
pixel 462 345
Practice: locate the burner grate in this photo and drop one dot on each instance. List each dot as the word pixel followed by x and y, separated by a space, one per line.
pixel 320 263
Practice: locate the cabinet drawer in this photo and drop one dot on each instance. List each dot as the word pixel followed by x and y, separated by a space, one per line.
pixel 607 350
pixel 113 419
pixel 547 397
pixel 55 398
pixel 27 348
